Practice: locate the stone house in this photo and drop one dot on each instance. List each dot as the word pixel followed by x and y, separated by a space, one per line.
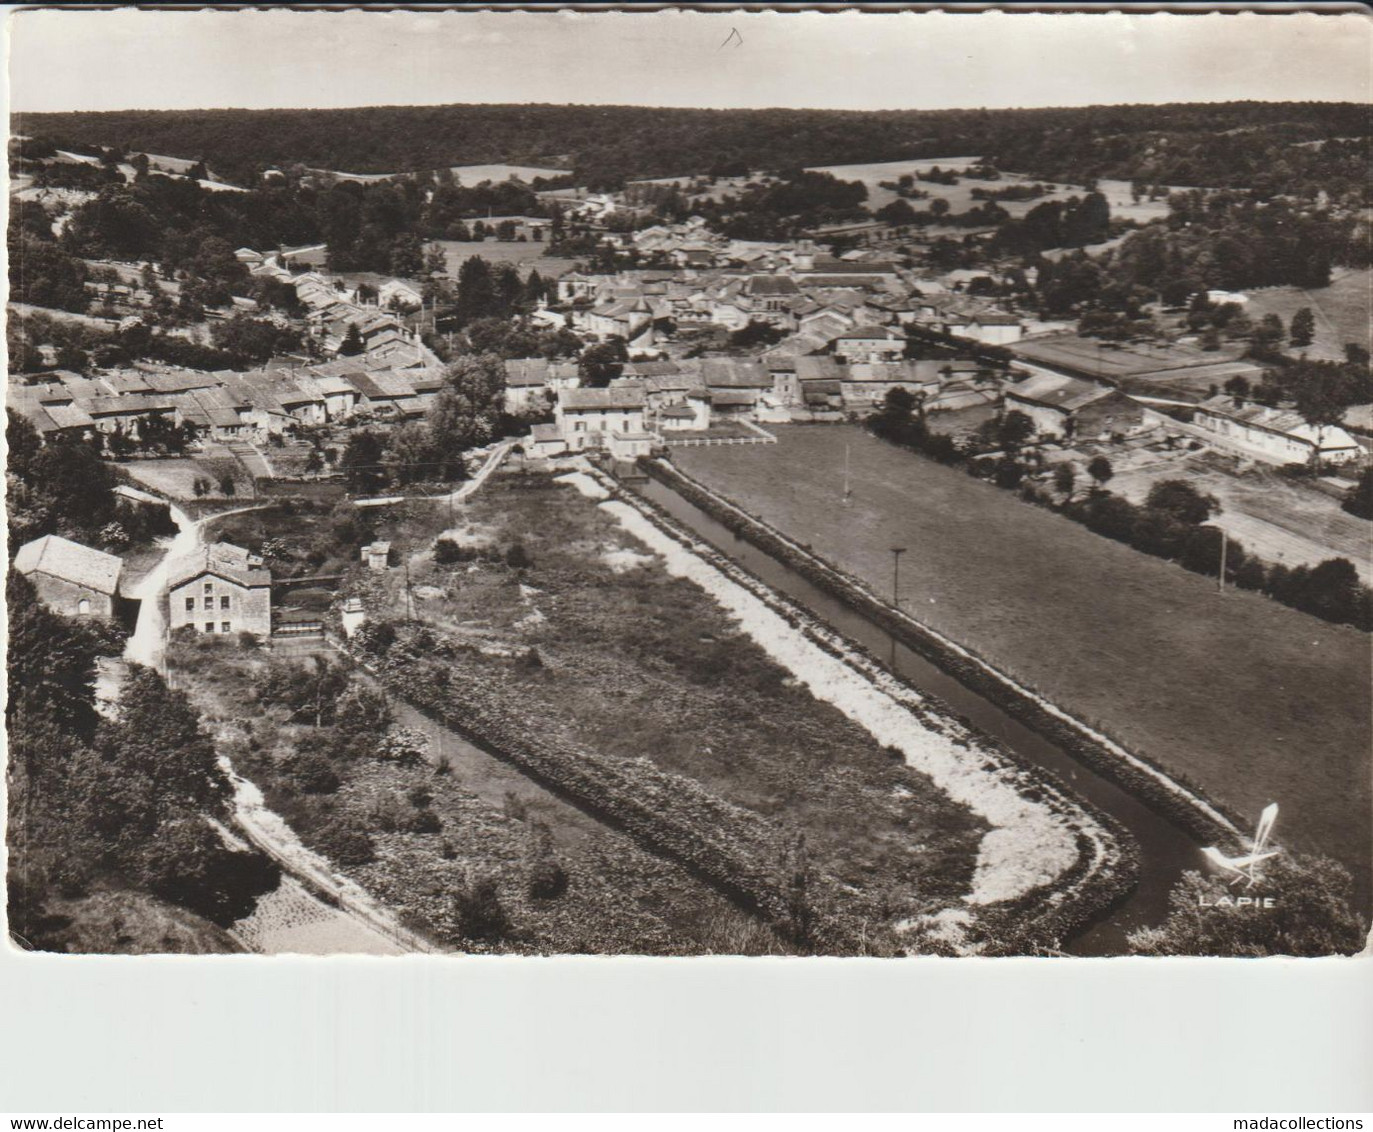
pixel 71 579
pixel 220 588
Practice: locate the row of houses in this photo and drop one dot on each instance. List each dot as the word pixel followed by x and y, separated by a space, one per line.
pixel 224 405
pixel 1069 409
pixel 655 400
pixel 811 303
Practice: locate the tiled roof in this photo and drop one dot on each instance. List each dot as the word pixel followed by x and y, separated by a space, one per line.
pixel 729 373
pixel 1057 392
pixel 883 333
pixel 224 559
pixel 772 285
pixel 61 558
pixel 733 397
pixel 624 396
pixel 1287 422
pixel 526 372
pixel 653 369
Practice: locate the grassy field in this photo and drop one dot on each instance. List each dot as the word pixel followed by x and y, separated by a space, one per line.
pixel 528 256
pixel 618 898
pixel 1252 701
pixel 1344 310
pixel 638 664
pixel 127 922
pixel 960 198
pixel 1170 365
pixel 633 664
pixel 175 477
pixel 1276 518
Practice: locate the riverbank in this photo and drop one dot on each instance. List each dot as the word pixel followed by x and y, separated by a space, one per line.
pixel 1221 692
pixel 1046 867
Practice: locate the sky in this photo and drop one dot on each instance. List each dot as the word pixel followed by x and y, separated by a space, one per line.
pixel 130 59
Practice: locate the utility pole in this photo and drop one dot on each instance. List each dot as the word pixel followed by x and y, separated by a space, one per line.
pixel 409 600
pixel 1220 579
pixel 896 553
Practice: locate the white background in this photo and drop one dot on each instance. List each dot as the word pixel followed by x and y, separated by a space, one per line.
pixel 233 1034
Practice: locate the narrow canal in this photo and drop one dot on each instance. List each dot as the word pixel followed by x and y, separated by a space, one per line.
pixel 1165 850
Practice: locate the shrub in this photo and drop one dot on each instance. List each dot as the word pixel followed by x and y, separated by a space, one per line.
pixel 247 640
pixel 314 775
pixel 1182 502
pixel 375 637
pixel 517 557
pixel 187 863
pixel 1359 500
pixel 419 796
pixel 404 745
pixel 424 821
pixel 362 711
pixel 447 552
pixel 480 913
pixel 346 846
pixel 547 880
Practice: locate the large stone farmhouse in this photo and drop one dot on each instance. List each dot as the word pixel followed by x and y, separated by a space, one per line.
pixel 71 579
pixel 220 588
pixel 1278 436
pixel 1065 407
pixel 586 417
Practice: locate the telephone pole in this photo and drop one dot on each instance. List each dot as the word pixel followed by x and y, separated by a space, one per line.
pixel 896 553
pixel 1220 579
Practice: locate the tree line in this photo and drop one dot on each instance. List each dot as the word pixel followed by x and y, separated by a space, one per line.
pixel 1299 147
pixel 1172 523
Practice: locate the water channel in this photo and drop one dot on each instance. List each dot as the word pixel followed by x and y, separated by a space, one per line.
pixel 1165 850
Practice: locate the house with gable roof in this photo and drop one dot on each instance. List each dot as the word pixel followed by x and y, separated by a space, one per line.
pixel 72 579
pixel 220 588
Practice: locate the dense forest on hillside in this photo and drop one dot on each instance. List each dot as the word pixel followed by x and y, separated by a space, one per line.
pixel 1270 146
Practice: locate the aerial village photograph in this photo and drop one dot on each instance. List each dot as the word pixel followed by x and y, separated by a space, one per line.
pixel 538 484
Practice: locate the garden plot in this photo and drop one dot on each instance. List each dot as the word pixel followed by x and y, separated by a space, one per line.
pixel 638 664
pixel 1276 518
pixel 420 838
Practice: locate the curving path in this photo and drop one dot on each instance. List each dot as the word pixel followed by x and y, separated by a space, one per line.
pixel 292 919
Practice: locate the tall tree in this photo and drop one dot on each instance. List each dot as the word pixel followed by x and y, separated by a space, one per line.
pixel 1303 329
pixel 1099 468
pixel 467 409
pixel 352 344
pixel 361 462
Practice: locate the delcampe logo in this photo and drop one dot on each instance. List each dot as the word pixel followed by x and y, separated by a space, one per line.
pixel 1245 868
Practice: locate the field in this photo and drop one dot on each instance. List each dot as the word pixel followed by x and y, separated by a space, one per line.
pixel 640 668
pixel 1275 518
pixel 636 663
pixel 1170 369
pixel 716 188
pixel 528 256
pixel 489 819
pixel 960 198
pixel 466 175
pixel 1344 310
pixel 1251 701
pixel 175 477
pixel 128 922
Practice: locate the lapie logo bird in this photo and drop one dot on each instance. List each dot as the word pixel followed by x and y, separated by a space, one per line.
pixel 1245 868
